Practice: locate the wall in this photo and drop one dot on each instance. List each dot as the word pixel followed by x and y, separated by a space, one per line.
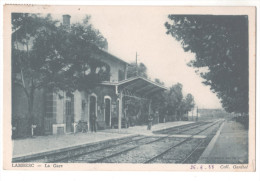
pixel 115 65
pixel 101 92
pixel 81 112
pixel 60 99
pixel 77 105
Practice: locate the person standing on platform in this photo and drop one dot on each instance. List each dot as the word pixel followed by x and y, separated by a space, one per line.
pixel 93 120
pixel 150 122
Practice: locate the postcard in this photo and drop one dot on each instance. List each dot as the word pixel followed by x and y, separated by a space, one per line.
pixel 135 88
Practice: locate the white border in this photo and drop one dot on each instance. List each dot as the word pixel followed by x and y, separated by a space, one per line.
pixel 65 175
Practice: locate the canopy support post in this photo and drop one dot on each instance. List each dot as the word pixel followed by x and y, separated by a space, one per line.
pixel 120 111
pixel 149 109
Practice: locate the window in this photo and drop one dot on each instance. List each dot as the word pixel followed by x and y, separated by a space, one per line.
pixel 69 109
pixel 121 75
pixel 51 105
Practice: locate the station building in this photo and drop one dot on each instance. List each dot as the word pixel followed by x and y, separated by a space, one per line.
pixel 60 112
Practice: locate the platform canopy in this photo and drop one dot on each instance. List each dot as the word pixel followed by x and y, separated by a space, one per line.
pixel 138 86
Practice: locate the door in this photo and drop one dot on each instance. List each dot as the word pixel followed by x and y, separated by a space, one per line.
pixel 117 113
pixel 50 112
pixel 107 112
pixel 69 113
pixel 92 108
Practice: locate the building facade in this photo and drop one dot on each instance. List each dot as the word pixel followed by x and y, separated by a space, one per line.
pixel 64 110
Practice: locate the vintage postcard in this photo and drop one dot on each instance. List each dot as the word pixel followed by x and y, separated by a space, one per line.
pixel 158 88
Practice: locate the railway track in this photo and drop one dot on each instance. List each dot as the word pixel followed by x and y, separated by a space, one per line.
pixel 114 150
pixel 191 154
pixel 192 157
pixel 125 141
pixel 104 149
pixel 179 129
pixel 104 154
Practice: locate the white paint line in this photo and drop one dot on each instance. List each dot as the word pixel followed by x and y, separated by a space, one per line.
pixel 187 136
pixel 199 136
pixel 203 158
pixel 180 136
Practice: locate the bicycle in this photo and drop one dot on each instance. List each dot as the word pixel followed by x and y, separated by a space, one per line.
pixel 81 126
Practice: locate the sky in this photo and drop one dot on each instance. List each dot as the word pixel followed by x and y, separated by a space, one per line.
pixel 131 30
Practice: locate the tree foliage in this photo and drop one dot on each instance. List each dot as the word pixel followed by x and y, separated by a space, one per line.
pixel 220 44
pixel 172 102
pixel 159 81
pixel 46 55
pixel 139 70
pixel 174 98
pixel 188 103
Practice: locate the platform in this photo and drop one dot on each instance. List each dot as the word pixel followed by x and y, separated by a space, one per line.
pixel 229 146
pixel 40 144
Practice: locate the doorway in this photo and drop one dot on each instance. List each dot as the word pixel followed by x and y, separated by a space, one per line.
pixel 107 112
pixel 69 112
pixel 92 107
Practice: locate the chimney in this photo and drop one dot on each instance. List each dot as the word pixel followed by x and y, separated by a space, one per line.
pixel 66 20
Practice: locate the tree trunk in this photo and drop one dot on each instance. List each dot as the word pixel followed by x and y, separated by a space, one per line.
pixel 30 112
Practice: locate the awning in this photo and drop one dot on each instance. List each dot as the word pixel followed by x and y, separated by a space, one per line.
pixel 139 86
pixel 136 87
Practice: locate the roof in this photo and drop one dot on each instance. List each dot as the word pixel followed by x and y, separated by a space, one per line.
pixel 106 53
pixel 138 85
pixel 113 56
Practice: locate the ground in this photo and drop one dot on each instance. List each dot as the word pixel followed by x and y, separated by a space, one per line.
pixel 215 141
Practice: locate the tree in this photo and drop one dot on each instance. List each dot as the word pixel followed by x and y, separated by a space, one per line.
pixel 174 100
pixel 159 103
pixel 87 32
pixel 45 55
pixel 159 81
pixel 140 70
pixel 172 103
pixel 220 44
pixel 187 104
